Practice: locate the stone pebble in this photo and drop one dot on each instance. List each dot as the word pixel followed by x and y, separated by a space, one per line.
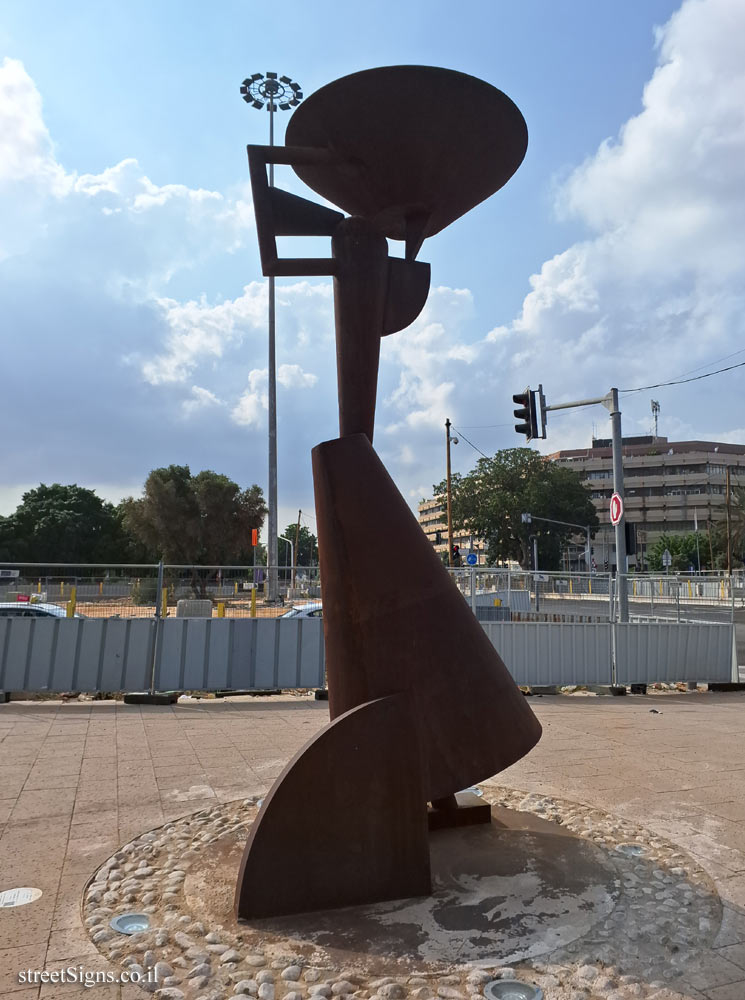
pixel 247 986
pixel 675 892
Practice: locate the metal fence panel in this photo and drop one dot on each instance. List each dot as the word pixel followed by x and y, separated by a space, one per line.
pixel 38 654
pixel 78 654
pixel 538 653
pixel 665 652
pixel 70 654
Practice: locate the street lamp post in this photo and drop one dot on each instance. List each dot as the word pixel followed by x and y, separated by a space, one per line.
pixel 275 93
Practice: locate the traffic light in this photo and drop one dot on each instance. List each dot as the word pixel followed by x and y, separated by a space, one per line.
pixel 630 532
pixel 456 555
pixel 527 414
pixel 542 410
pixel 438 538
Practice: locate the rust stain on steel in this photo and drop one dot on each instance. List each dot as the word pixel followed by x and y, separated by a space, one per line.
pixel 344 823
pixel 421 703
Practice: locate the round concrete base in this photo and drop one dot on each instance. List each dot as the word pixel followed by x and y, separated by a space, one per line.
pixel 516 889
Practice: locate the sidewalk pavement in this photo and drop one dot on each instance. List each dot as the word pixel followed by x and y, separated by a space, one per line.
pixel 79 780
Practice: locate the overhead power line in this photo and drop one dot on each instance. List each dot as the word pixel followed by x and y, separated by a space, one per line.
pixel 470 442
pixel 680 381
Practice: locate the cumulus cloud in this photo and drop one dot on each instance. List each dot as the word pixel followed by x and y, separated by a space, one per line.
pixel 102 281
pixel 657 287
pixel 149 231
pixel 250 408
pixel 201 399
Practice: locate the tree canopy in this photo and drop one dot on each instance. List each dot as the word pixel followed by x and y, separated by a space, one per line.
pixel 490 500
pixel 307 545
pixel 59 523
pixel 203 519
pixel 683 551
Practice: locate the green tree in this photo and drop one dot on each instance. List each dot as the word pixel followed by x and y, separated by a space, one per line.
pixel 682 549
pixel 195 520
pixel 490 500
pixel 307 544
pixel 59 523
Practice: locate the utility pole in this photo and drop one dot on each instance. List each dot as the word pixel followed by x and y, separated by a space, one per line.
pixel 448 439
pixel 711 547
pixel 296 549
pixel 729 531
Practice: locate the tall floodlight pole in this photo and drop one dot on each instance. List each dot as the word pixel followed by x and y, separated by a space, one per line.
pixel 275 93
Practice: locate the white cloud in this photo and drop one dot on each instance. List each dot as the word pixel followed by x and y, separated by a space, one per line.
pixel 26 150
pixel 201 399
pixel 293 377
pixel 115 261
pixel 254 401
pixel 149 231
pixel 657 289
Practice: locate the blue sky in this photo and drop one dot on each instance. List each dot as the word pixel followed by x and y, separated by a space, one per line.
pixel 131 300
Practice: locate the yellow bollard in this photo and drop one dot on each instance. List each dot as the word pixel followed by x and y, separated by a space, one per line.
pixel 38 587
pixel 253 602
pixel 571 589
pixel 235 588
pixel 690 589
pixel 71 602
pixel 164 603
pixel 721 589
pixel 660 588
pixel 221 609
pixel 61 587
pixel 634 588
pixel 589 584
pixel 100 587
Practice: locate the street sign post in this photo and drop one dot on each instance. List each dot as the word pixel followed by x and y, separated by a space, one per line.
pixel 472 558
pixel 667 560
pixel 616 509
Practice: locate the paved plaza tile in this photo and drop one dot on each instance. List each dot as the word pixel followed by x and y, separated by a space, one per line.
pixel 78 780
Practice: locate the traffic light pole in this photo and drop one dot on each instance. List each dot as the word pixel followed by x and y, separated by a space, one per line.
pixel 622 565
pixel 610 402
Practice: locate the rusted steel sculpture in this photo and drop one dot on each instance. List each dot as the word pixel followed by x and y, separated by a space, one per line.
pixel 421 704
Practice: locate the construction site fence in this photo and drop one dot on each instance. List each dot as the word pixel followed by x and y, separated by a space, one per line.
pixel 132 591
pixel 544 596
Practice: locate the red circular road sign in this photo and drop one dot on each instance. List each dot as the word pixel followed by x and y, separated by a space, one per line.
pixel 616 509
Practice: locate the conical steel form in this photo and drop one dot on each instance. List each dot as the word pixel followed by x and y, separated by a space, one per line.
pixel 394 621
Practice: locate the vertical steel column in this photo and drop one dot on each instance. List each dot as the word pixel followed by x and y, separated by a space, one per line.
pixel 621 560
pixel 272 553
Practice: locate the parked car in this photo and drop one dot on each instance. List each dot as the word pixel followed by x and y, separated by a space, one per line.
pixel 312 610
pixel 26 609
